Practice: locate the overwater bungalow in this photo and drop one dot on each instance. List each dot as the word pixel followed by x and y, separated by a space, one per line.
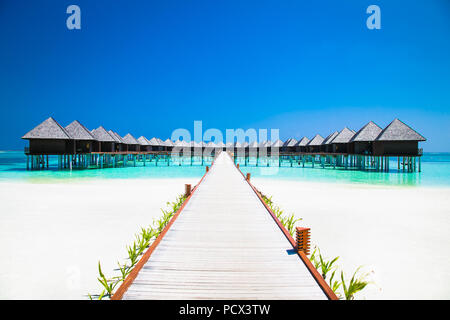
pixel 253 148
pixel 301 145
pixel 196 148
pixel 119 145
pixel 276 146
pixel 49 137
pixel 397 139
pixel 168 145
pixel 155 145
pixel 341 143
pixel 326 144
pixel 144 144
pixel 313 146
pixel 221 145
pixel 131 143
pixel 289 145
pixel 104 141
pixel 362 141
pixel 82 141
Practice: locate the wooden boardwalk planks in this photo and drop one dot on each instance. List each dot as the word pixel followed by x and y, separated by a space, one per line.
pixel 224 245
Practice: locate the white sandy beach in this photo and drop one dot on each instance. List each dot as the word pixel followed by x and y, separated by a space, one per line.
pixel 399 233
pixel 52 235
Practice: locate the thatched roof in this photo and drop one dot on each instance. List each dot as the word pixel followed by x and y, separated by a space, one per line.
pixel 262 144
pixel 220 144
pixel 330 137
pixel 161 143
pixel 143 141
pixel 169 143
pixel 183 144
pixel 154 142
pixel 115 136
pixel 101 135
pixel 367 133
pixel 245 144
pixel 344 136
pixel 302 142
pixel 277 144
pixel 253 145
pixel 290 142
pixel 211 145
pixel 237 145
pixel 49 129
pixel 129 139
pixel 78 132
pixel 316 141
pixel 398 131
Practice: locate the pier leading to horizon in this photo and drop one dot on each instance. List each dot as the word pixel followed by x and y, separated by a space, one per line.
pixel 224 244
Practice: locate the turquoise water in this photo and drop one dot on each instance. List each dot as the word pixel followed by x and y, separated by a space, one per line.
pixel 435 172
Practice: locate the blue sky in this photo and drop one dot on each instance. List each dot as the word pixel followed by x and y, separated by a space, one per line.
pixel 149 67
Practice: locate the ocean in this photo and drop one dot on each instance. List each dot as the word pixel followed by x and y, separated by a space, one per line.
pixel 435 172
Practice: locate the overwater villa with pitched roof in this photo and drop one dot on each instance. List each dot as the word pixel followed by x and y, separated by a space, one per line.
pixel 370 147
pixel 340 143
pixel 314 144
pixel 83 140
pixel 105 142
pixel 362 141
pixel 397 139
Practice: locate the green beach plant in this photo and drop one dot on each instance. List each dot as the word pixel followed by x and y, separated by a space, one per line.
pixel 143 240
pixel 357 283
pixel 289 221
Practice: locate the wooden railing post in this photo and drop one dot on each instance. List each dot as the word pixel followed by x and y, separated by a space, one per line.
pixel 303 237
pixel 187 190
pixel 237 165
pixel 207 168
pixel 248 177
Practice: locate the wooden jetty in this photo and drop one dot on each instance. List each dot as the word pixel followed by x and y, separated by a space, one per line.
pixel 224 243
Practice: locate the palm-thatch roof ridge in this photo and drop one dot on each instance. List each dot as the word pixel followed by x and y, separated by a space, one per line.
pixel 344 136
pixel 169 143
pixel 101 135
pixel 143 141
pixel 316 141
pixel 367 133
pixel 399 131
pixel 302 142
pixel 155 142
pixel 277 144
pixel 129 139
pixel 48 129
pixel 290 142
pixel 115 136
pixel 78 132
pixel 330 137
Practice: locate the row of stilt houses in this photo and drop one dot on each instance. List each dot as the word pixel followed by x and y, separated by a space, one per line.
pixel 370 148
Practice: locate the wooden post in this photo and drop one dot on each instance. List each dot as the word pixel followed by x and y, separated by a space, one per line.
pixel 187 190
pixel 237 165
pixel 303 237
pixel 207 168
pixel 248 177
pixel 420 164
